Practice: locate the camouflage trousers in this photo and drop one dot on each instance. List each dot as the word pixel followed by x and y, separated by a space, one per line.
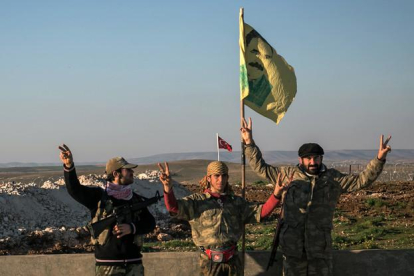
pixel 231 268
pixel 119 270
pixel 303 267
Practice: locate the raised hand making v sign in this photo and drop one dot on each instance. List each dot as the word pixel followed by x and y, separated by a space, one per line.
pixel 384 148
pixel 310 201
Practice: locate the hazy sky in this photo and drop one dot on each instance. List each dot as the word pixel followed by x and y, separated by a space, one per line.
pixel 137 78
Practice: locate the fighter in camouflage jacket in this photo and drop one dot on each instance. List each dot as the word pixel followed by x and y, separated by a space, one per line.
pixel 214 226
pixel 217 217
pixel 310 201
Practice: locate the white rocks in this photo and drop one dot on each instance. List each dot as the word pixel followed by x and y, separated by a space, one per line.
pixel 36 210
pixel 92 180
pixel 164 237
pixel 49 229
pixel 60 182
pixel 49 185
pixel 30 206
pixel 12 188
pixel 149 175
pixel 376 195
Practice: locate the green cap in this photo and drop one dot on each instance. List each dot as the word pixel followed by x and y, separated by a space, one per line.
pixel 117 163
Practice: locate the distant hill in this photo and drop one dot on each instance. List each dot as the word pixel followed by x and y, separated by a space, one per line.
pixel 279 157
pixel 272 157
pixel 33 164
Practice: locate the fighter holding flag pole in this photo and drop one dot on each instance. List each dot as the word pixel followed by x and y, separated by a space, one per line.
pixel 267 83
pixel 268 86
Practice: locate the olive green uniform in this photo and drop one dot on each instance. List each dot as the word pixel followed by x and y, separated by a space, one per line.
pixel 217 223
pixel 127 270
pixel 309 209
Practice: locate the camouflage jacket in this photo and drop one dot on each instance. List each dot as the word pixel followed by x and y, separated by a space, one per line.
pixel 105 209
pixel 310 202
pixel 217 223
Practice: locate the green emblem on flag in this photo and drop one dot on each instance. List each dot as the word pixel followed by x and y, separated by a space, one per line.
pixel 244 82
pixel 259 90
pixel 267 81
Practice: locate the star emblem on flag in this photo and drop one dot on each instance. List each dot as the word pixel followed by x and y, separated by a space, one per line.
pixel 223 144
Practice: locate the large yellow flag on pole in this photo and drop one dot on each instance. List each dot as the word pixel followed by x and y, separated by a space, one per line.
pixel 267 81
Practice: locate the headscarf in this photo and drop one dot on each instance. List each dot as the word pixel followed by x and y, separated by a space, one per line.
pixel 216 167
pixel 119 191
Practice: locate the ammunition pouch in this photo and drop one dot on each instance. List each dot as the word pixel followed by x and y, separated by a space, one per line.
pixel 220 255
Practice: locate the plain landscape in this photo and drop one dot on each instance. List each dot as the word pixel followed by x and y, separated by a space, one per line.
pixel 38 216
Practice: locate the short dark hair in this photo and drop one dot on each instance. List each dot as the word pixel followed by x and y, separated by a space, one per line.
pixel 110 177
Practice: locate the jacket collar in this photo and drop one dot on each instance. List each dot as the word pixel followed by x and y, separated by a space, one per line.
pixel 323 169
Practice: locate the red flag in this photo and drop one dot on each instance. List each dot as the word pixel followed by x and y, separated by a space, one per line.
pixel 223 144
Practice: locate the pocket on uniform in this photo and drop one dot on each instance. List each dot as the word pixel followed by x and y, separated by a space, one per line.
pixel 208 217
pixel 322 238
pixel 291 238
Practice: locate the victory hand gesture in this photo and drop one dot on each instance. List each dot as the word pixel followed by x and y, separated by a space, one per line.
pixel 246 131
pixel 66 156
pixel 279 187
pixel 384 148
pixel 165 177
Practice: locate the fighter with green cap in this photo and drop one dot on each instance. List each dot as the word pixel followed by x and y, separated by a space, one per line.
pixel 217 217
pixel 117 248
pixel 309 205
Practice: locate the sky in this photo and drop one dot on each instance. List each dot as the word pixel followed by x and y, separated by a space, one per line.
pixel 138 78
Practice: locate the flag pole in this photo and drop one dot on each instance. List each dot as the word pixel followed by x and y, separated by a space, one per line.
pixel 243 164
pixel 218 150
pixel 243 183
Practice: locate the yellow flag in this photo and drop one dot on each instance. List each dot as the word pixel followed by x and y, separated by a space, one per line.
pixel 267 81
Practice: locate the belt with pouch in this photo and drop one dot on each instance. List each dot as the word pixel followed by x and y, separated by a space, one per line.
pixel 220 255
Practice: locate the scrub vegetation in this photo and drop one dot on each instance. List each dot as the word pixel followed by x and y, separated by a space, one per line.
pixel 378 217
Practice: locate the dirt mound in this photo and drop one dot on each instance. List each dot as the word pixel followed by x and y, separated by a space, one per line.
pixel 396 197
pixel 43 218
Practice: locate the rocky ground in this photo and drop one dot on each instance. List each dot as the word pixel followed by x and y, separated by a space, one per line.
pixel 43 218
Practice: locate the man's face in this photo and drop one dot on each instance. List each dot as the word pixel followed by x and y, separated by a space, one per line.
pixel 218 182
pixel 259 54
pixel 125 177
pixel 312 164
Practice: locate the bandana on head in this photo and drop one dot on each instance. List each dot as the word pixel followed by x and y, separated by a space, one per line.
pixel 119 191
pixel 216 167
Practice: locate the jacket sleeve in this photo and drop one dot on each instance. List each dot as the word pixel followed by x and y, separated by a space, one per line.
pixel 258 164
pixel 251 212
pixel 269 206
pixel 171 202
pixel 187 208
pixel 365 178
pixel 87 196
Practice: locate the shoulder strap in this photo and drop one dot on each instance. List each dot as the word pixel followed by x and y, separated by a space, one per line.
pixel 104 199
